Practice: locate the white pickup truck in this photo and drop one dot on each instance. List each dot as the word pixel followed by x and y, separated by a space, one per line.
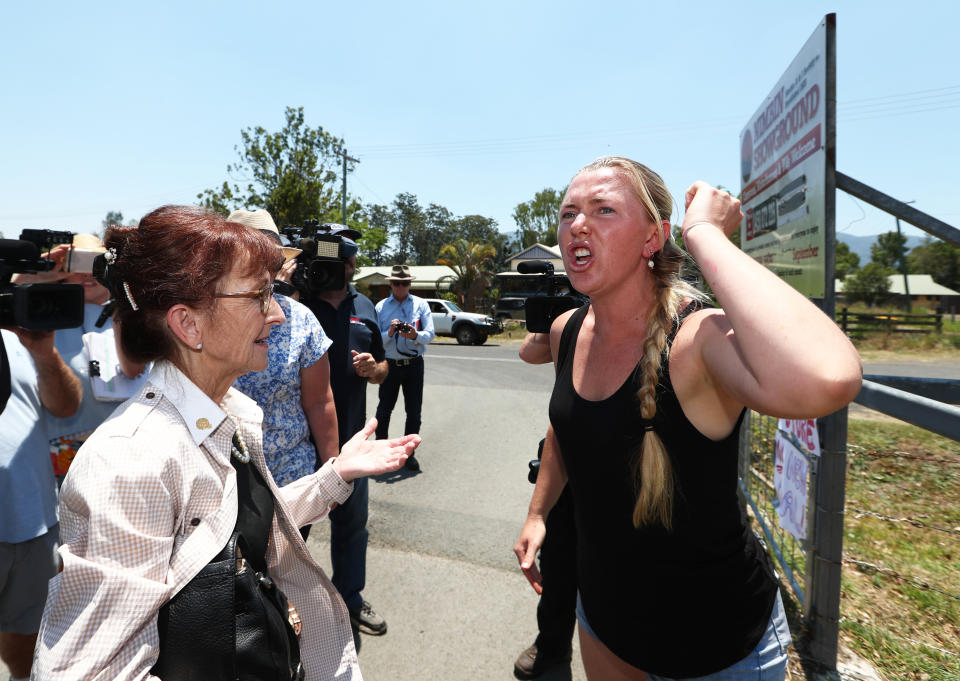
pixel 468 328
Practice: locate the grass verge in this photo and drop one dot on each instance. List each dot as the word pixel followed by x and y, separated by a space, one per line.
pixel 900 597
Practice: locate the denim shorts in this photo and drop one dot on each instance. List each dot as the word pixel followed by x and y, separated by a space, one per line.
pixel 767 662
pixel 25 569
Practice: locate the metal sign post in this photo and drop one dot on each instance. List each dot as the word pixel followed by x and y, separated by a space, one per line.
pixel 788 168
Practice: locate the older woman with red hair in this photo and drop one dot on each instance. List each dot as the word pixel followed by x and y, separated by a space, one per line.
pixel 175 480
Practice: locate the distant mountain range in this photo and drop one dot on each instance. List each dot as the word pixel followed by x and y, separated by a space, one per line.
pixel 861 244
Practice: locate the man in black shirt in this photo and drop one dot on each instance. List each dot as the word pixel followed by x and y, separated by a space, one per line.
pixel 356 357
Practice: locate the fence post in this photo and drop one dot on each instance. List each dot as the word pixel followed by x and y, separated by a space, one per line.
pixel 843 317
pixel 825 557
pixel 939 316
pixel 825 553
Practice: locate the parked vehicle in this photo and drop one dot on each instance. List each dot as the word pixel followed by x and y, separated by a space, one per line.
pixel 510 308
pixel 468 328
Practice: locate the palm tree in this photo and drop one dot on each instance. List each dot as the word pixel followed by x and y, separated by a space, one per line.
pixel 471 264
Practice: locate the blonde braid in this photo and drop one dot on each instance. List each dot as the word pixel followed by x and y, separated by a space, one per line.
pixel 653 474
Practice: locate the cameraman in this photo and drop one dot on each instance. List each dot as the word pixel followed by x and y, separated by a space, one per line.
pixel 356 358
pixel 42 386
pixel 556 611
pixel 68 434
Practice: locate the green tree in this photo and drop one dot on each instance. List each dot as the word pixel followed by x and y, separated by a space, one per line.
pixel 483 230
pixel 939 259
pixel 417 234
pixel 291 173
pixel 888 251
pixel 537 219
pixel 471 264
pixel 846 261
pixel 407 223
pixel 114 217
pixel 379 219
pixel 870 284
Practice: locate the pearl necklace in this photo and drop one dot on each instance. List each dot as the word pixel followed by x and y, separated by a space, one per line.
pixel 241 453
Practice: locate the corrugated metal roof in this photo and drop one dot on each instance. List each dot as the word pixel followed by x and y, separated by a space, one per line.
pixel 920 285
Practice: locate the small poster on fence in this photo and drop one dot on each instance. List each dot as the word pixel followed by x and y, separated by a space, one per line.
pixel 804 431
pixel 790 475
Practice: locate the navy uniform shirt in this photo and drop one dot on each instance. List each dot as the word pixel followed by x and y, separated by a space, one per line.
pixel 352 326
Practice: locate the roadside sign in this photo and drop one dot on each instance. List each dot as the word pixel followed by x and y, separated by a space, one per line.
pixel 783 163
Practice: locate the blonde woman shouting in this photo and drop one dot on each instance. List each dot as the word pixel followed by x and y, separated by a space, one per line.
pixel 651 388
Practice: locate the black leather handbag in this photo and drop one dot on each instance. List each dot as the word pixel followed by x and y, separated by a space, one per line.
pixel 231 622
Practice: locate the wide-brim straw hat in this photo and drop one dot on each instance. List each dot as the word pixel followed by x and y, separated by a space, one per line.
pixel 261 220
pixel 88 242
pixel 400 273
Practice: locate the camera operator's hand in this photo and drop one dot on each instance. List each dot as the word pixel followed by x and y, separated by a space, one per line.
pixel 286 272
pixel 535 348
pixel 59 256
pixel 393 327
pixel 38 343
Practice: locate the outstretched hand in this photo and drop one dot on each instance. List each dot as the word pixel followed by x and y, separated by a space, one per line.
pixel 531 539
pixel 705 203
pixel 361 457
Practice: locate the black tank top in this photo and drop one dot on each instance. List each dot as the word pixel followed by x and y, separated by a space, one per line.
pixel 680 604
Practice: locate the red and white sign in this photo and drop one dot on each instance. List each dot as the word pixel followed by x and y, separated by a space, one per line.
pixel 783 173
pixel 790 475
pixel 803 431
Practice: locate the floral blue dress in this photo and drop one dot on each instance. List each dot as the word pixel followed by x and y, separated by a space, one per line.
pixel 294 345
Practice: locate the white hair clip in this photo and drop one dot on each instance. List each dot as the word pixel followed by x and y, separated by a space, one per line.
pixel 126 289
pixel 110 256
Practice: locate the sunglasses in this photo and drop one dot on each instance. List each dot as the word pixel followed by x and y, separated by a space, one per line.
pixel 402 284
pixel 265 295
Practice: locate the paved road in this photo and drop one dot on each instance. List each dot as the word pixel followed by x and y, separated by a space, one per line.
pixel 440 564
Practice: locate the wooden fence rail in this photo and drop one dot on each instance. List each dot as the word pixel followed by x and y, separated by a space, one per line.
pixel 856 323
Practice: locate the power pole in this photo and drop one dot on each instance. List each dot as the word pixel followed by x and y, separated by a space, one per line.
pixel 903 264
pixel 343 196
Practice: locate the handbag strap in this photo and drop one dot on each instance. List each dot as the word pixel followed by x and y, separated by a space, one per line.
pixel 254 513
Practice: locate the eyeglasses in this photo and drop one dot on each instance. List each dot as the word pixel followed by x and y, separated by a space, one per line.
pixel 265 295
pixel 402 284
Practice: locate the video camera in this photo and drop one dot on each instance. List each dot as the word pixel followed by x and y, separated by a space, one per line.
pixel 541 310
pixel 321 265
pixel 36 307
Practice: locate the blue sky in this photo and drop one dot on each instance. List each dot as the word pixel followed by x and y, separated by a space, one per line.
pixel 128 106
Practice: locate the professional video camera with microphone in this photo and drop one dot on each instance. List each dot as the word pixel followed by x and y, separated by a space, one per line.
pixel 321 265
pixel 541 310
pixel 36 307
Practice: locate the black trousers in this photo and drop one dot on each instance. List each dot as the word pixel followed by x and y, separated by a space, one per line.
pixel 406 375
pixel 556 612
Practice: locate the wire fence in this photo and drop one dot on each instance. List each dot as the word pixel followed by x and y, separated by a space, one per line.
pixel 757 473
pixel 758 482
